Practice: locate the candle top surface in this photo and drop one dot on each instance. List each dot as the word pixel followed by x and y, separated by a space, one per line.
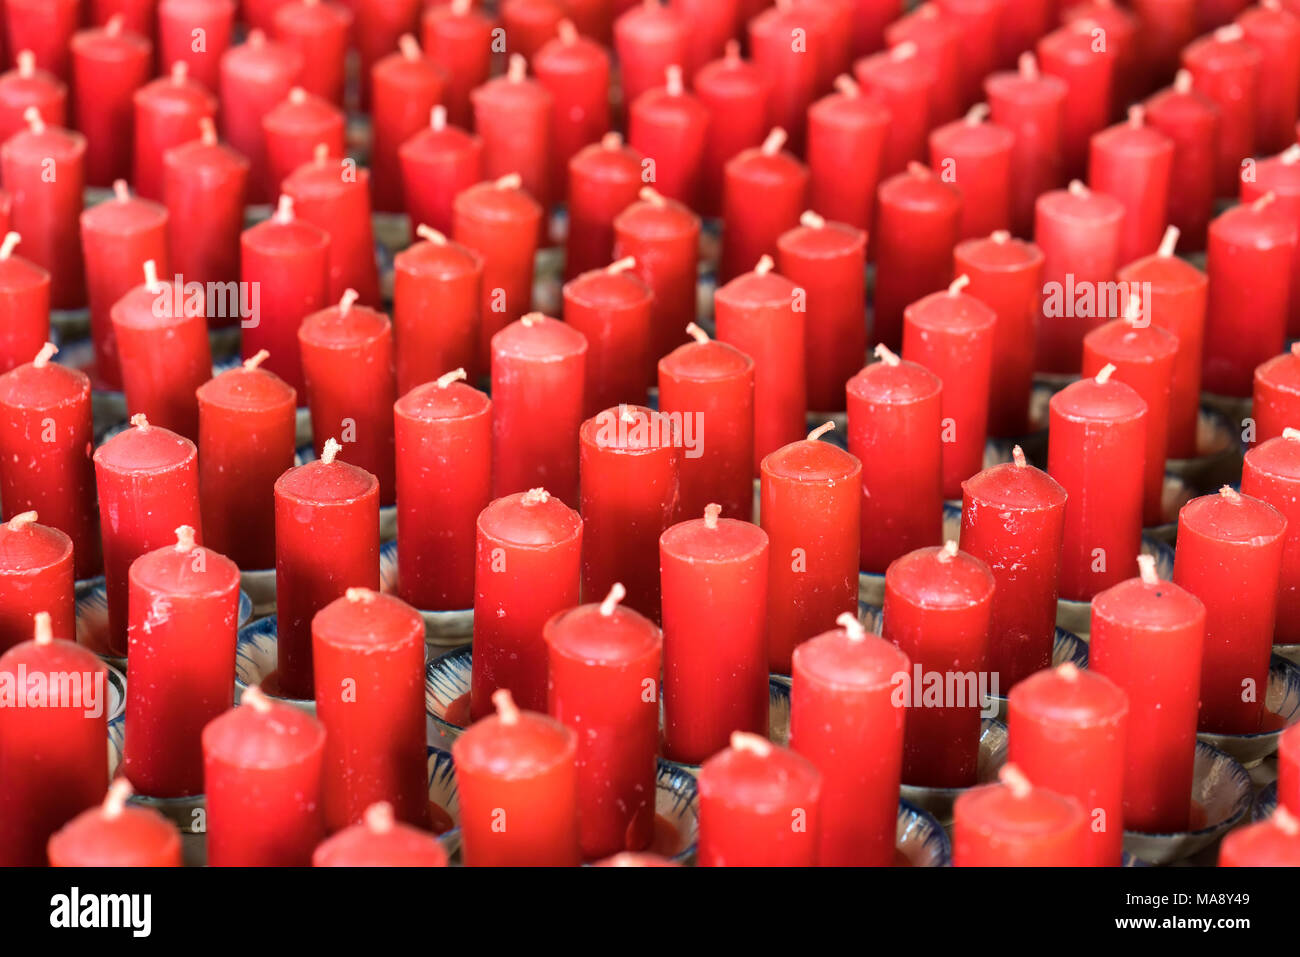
pixel 996 808
pixel 327 483
pixel 1276 174
pixel 196 572
pixel 1085 699
pixel 1013 487
pixel 153 307
pixel 18 274
pixel 604 165
pixel 526 521
pixel 1124 343
pixel 207 160
pixel 507 95
pixel 167 94
pixel 276 235
pixel 542 340
pixel 810 460
pixel 59 656
pixel 657 221
pixel 135 214
pixel 930 578
pixel 1263 228
pixel 769 289
pixel 861 110
pixel 50 385
pixel 434 144
pixel 1167 274
pixel 587 634
pixel 985 254
pixel 645 23
pixel 944 313
pixel 729 540
pixel 1073 43
pixel 601 289
pixel 52 142
pixel 336 328
pixel 920 194
pixel 447 260
pixel 836 660
pixel 705 361
pixel 829 241
pixel 1263 844
pixel 399 846
pixel 1079 209
pixel 764 170
pixel 280 736
pixel 311 13
pixel 242 389
pixel 1132 141
pixel 296 112
pixel 768 783
pixel 1281 372
pixel 398 67
pixel 491 202
pixel 266 60
pixel 1161 606
pixel 1236 518
pixel 726 78
pixel 888 69
pixel 571 55
pixel 632 429
pixel 971 139
pixel 1088 400
pixel 898 383
pixel 326 180
pixel 432 402
pixel 100 43
pixel 136 837
pixel 367 621
pixel 31 546
pixel 1214 52
pixel 1040 88
pixel 148 449
pixel 1278 457
pixel 1174 109
pixel 661 106
pixel 527 747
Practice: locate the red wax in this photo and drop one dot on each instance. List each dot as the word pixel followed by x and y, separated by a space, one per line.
pixel 459 39
pixel 938 603
pixel 25 86
pixel 1228 69
pixel 530 23
pixel 46 28
pixel 715 575
pixel 1018 825
pixel 52 754
pixel 538 376
pixel 513 115
pixel 377 840
pixel 1080 234
pixel 649 38
pixel 167 113
pixel 1120 29
pixel 1275 35
pixel 938 38
pixel 184 610
pixel 663 237
pixel 1276 401
pixel 894 430
pixel 260 14
pixel 1133 163
pixel 295 128
pixel 177 21
pixel 405 87
pixel 246 442
pixel 760 806
pixel 162 342
pixel 1147 637
pixel 444 472
pixel 43 169
pixel 755 312
pixel 1191 120
pixel 1271 843
pixel 575 70
pixel 869 20
pixel 500 222
pixel 436 303
pixel 1082 715
pixel 377 31
pixel 611 307
pixel 604 179
pixel 846 142
pixel 1087 67
pixel 1288 770
pixel 114 835
pixel 951 334
pixel 262 765
pixel 517 769
pixel 1251 251
pixel 711 386
pixel 713 24
pixel 204 185
pixel 976 157
pixel 1032 106
pixel 1280 175
pixel 843 718
pixel 437 163
pixel 137 15
pixel 255 76
pixel 318 30
pixel 35 576
pixel 790 43
pixel 669 127
pixel 1022 28
pixel 24 306
pixel 41 399
pixel 904 81
pixel 593 18
pixel 604 665
pixel 917 224
pixel 736 94
pixel 528 561
pixel 765 189
pixel 1272 473
pixel 979 22
pixel 1165 27
pixel 108 65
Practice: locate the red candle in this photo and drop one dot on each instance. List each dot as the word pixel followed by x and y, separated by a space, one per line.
pixel 760 806
pixel 46 28
pixel 295 128
pixel 378 840
pixel 459 39
pixel 436 302
pixel 791 44
pixel 204 185
pixel 444 471
pixel 669 126
pixel 255 77
pixel 611 308
pixel 148 481
pixel 1272 473
pixel 1191 120
pixel 500 222
pixel 1275 35
pixel 184 608
pixel 35 576
pixel 405 87
pixel 649 38
pixel 713 24
pixel 1079 55
pixel 976 157
pixel 979 22
pixel 246 442
pixel 24 306
pixel 43 169
pixel 318 30
pixel 917 224
pixel 167 113
pixel 905 82
pixel 736 94
pixel 177 22
pixel 51 401
pixel 437 163
pixel 1119 28
pixel 1133 163
pixel 575 70
pixel 1279 175
pixel 663 237
pixel 604 179
pixel 869 20
pixel 1277 395
pixel 52 752
pixel 1271 843
pixel 262 766
pixel 513 115
pixel 260 14
pixel 116 834
pixel 1085 715
pixel 844 719
pixel 377 32
pixel 1032 106
pixel 846 142
pixel 1251 249
pixel 1165 27
pixel 1016 824
pixel 25 86
pixel 1228 69
pixel 938 38
pixel 517 769
pixel 765 190
pixel 1288 770
pixel 1019 31
pixel 108 66
pixel 710 385
pixel 530 23
pixel 1147 636
pixel 894 431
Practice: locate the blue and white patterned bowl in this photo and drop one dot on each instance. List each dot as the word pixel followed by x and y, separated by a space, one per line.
pixel 1281 698
pixel 256 661
pixel 115 712
pixel 992 755
pixel 1265 803
pixel 442 629
pixel 920 839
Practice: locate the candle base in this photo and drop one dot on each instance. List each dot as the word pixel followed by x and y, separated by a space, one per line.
pixel 1281 709
pixel 1265 803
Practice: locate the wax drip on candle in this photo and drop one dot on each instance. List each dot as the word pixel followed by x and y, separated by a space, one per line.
pixel 1000 236
pixel 616 594
pixel 115 24
pixel 847 86
pixel 409 46
pixel 1027 66
pixel 184 538
pixel 948 552
pixel 775 140
pixel 852 627
pixel 504 702
pixel 11 240
pixel 711 513
pixel 140 421
pixel 1137 115
pixel 1018 457
pixel 347 300
pixel 1285 821
pixel 115 799
pixel 750 743
pixel 1077 188
pixel 535 496
pixel 1168 242
pixel 517 70
pixel 821 430
pixel 447 378
pixel 332 448
pixel 621 265
pixel 530 319
pixel 207 131
pixel 1147 570
pixel 673 80
pixel 255 360
pixel 885 354
pixel 957 285
pixel 1229 33
pixel 21 521
pixel 612 141
pixel 26 63
pixel 904 51
pixel 1069 671
pixel 1106 372
pixel 510 181
pixel 1263 201
pixel 649 194
pixel 284 209
pixel 1183 81
pixel 42 629
pixel 297 96
pixel 765 265
pixel 180 72
pixel 1014 780
pixel 919 170
pixel 256 699
pixel 977 114
pixel 378 818
pixel 811 220
pixel 151 275
pixel 1293 434
pixel 121 191
pixel 32 117
pixel 359 595
pixel 696 333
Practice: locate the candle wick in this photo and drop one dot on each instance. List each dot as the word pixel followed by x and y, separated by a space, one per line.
pixel 847 86
pixel 649 194
pixel 1133 309
pixel 438 117
pixel 1263 201
pixel 918 170
pixel 673 80
pixel 1028 66
pixel 535 496
pixel 530 319
pixel 904 51
pixel 886 355
pixel 616 594
pixel 696 333
pixel 612 141
pixel 852 627
pixel 764 266
pixel 621 265
pixel 811 220
pixel 256 699
pixel 21 521
pixel 379 818
pixel 11 240
pixel 1018 456
pixel 115 800
pixel 1168 242
pixel 1015 781
pixel 448 378
pixel 1077 188
pixel 284 208
pixel 1136 115
pixel 26 63
pixel 746 742
pixel 180 72
pixel 256 37
pixel 977 114
pixel 1069 671
pixel 1286 821
pixel 504 702
pixel 43 630
pixel 121 191
pixel 775 140
pixel 567 32
pixel 625 414
pixel 711 513
pixel 114 25
pixel 1147 570
pixel 731 52
pixel 821 430
pixel 409 46
pixel 957 285
pixel 32 117
pixel 1000 236
pixel 140 421
pixel 349 298
pixel 359 595
pixel 255 360
pixel 185 538
pixel 510 181
pixel 45 355
pixel 1106 372
pixel 1289 433
pixel 1183 81
pixel 430 234
pixel 948 552
pixel 331 449
pixel 1230 493
pixel 151 275
pixel 1295 348
pixel 1230 33
pixel 1291 154
pixel 517 71
pixel 207 131
pixel 297 96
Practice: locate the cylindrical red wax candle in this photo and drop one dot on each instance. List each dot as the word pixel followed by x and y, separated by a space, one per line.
pixel 905 83
pixel 575 70
pixel 530 23
pixel 262 767
pixel 1032 106
pixel 1065 711
pixel 318 30
pixel 377 32
pixel 1016 824
pixel 178 21
pixel 116 834
pixel 917 224
pixel 255 76
pixel 1271 843
pixel 765 189
pixel 713 23
pixel 184 610
pixel 846 142
pixel 204 185
pixel 166 114
pixel 1272 473
pixel 459 38
pixel 938 38
pixel 715 574
pixel 378 840
pixel 1165 27
pixel 1191 120
pixel 663 237
pixel 760 806
pixel 246 442
pixel 975 156
pixel 518 769
pixel 260 14
pixel 1251 249
pixel 444 471
pixel 436 303
pixel 844 719
pixel 46 28
pixel 1275 35
pixel 513 115
pixel 649 38
pixel 604 179
pixel 405 87
pixel 25 86
pixel 894 430
pixel 1276 399
pixel 368 659
pixel 52 752
pixel 1230 557
pixel 1118 29
pixel 295 128
pixel 35 576
pixel 736 93
pixel 1228 69
pixel 1080 233
pixel 869 20
pixel 500 222
pixel 669 127
pixel 980 22
pixel 1133 163
pixel 24 306
pixel 436 165
pixel 108 66
pixel 611 307
pixel 1013 520
pixel 790 44
pixel 1288 770
pixel 1147 636
pixel 1279 175
pixel 1078 54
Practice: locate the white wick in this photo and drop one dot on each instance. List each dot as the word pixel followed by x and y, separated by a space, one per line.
pixel 616 594
pixel 1137 115
pixel 184 538
pixel 438 117
pixel 1018 456
pixel 253 361
pixel 43 630
pixel 517 71
pixel 530 319
pixel 696 333
pixel 1292 434
pixel 350 296
pixel 447 378
pixel 431 234
pixel 504 702
pixel 649 194
pixel 765 265
pixel 535 496
pixel 1230 494
pixel 621 265
pixel 958 284
pixel 151 275
pixel 379 818
pixel 140 421
pixel 1028 66
pixel 45 355
pixel 775 140
pixel 753 744
pixel 256 699
pixel 948 552
pixel 1069 671
pixel 673 80
pixel 1014 779
pixel 509 181
pixel 115 799
pixel 21 521
pixel 821 430
pixel 1147 570
pixel 977 114
pixel 852 627
pixel 812 220
pixel 332 448
pixel 886 355
pixel 32 117
pixel 11 240
pixel 1106 372
pixel 847 86
pixel 1168 242
pixel 711 513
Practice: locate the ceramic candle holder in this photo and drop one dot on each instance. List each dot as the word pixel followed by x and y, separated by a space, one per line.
pixel 1219 451
pixel 256 660
pixel 1176 493
pixel 1281 701
pixel 442 629
pixel 1265 803
pixel 115 711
